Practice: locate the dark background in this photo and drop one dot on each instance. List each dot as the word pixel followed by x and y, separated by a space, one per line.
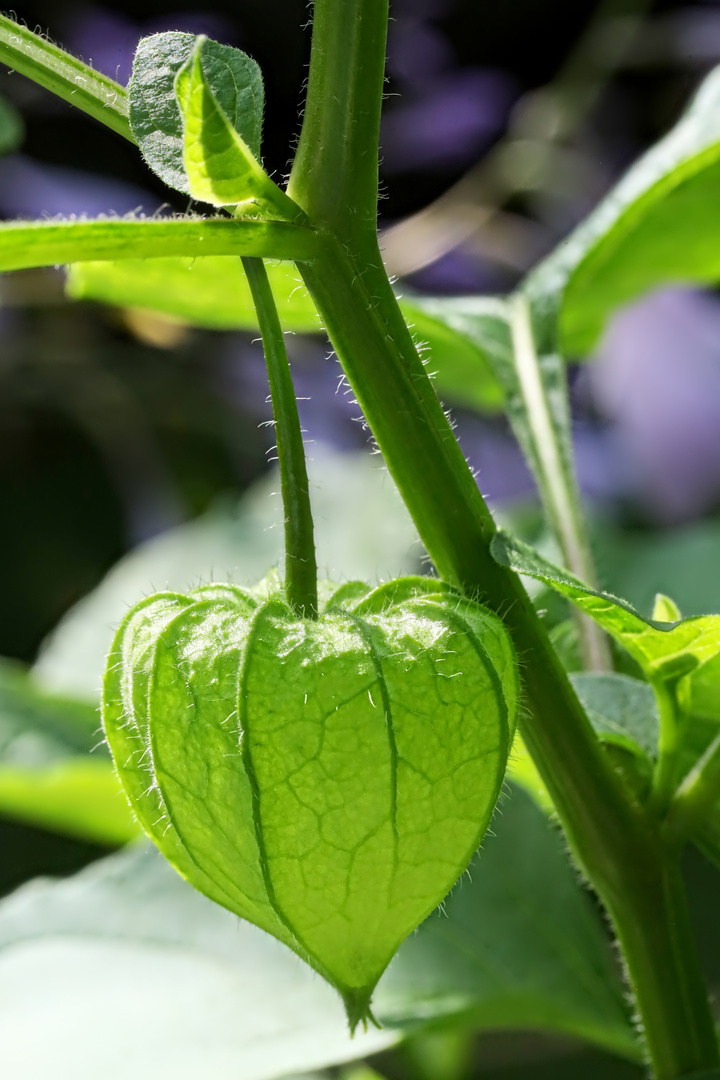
pixel 114 427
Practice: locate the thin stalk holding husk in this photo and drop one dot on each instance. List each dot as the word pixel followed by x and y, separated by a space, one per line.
pixel 300 561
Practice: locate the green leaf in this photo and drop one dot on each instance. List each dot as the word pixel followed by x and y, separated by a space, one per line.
pixel 659 225
pixel 64 75
pixel 685 653
pixel 210 292
pixel 73 954
pixel 220 166
pixel 155 116
pixel 47 777
pixel 664 650
pixel 624 714
pixel 326 779
pixel 126 949
pixel 621 709
pixel 52 243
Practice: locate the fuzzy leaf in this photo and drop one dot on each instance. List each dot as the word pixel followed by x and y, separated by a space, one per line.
pixel 622 710
pixel 221 167
pixel 155 115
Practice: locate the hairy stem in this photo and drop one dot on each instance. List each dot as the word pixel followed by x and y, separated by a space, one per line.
pixel 64 75
pixel 51 243
pixel 615 844
pixel 300 561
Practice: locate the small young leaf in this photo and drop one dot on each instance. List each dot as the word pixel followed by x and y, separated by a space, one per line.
pixel 220 165
pixel 665 609
pixel 327 780
pixel 155 116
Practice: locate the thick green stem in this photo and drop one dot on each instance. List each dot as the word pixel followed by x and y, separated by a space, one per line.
pixel 614 843
pixel 300 562
pixel 335 173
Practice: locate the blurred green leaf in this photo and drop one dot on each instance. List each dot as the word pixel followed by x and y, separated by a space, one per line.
pixel 621 709
pixel 230 1000
pixel 126 949
pixel 47 777
pixel 623 712
pixel 659 225
pixel 211 292
pixel 462 336
pixel 681 561
pixel 469 341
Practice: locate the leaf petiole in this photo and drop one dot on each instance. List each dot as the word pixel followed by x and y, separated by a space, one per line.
pixel 64 75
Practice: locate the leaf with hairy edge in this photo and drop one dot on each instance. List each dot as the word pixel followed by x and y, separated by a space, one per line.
pixel 685 653
pixel 664 650
pixel 47 776
pixel 73 953
pixel 155 116
pixel 220 166
pixel 326 779
pixel 659 225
